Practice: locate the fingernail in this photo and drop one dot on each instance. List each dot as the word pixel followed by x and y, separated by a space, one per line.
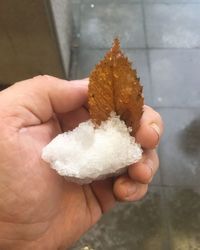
pixel 131 189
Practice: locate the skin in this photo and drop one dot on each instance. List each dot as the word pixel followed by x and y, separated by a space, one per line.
pixel 38 208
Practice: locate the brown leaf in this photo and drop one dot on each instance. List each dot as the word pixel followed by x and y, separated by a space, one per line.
pixel 114 86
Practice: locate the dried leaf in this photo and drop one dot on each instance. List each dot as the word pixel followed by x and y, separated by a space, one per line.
pixel 114 86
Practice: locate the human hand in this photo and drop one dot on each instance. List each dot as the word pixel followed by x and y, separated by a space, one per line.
pixel 38 208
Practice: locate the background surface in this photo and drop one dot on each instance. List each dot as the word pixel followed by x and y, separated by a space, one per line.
pixel 162 38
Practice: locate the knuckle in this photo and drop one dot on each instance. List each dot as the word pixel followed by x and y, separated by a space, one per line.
pixel 42 78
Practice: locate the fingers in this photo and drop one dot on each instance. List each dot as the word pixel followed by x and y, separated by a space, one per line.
pixel 144 170
pixel 151 128
pixel 134 185
pixel 126 189
pixel 36 100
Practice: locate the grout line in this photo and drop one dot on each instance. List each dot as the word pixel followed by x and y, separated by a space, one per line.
pixel 95 2
pixel 175 107
pixel 160 167
pixel 78 63
pixel 173 48
pixel 142 1
pixel 76 30
pixel 165 217
pixel 73 64
pixel 75 44
pixel 151 87
pixel 165 214
pixel 144 25
pixel 169 3
pixel 107 48
pixel 141 48
pixel 164 230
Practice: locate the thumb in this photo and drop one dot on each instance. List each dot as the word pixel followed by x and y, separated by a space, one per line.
pixel 34 101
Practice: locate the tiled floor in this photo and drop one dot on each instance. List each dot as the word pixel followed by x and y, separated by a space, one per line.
pixel 125 227
pixel 162 38
pixel 175 77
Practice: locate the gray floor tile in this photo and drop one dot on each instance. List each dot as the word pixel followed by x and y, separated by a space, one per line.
pixel 89 58
pixel 172 1
pixel 180 148
pixel 175 77
pixel 137 226
pixel 173 26
pixel 73 64
pixel 157 179
pixel 93 2
pixel 184 218
pixel 104 21
pixel 76 8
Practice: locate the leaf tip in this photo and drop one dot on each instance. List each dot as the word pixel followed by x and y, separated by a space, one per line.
pixel 116 44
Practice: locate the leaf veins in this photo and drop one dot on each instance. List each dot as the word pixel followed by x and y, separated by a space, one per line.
pixel 114 86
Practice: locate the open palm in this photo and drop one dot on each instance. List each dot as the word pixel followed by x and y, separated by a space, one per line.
pixel 38 208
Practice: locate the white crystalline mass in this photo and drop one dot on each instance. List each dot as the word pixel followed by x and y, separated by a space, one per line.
pixel 88 153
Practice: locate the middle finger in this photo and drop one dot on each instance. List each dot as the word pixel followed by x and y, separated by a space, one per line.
pixel 144 170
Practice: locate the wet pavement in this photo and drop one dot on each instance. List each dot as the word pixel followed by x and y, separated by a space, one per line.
pixel 162 38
